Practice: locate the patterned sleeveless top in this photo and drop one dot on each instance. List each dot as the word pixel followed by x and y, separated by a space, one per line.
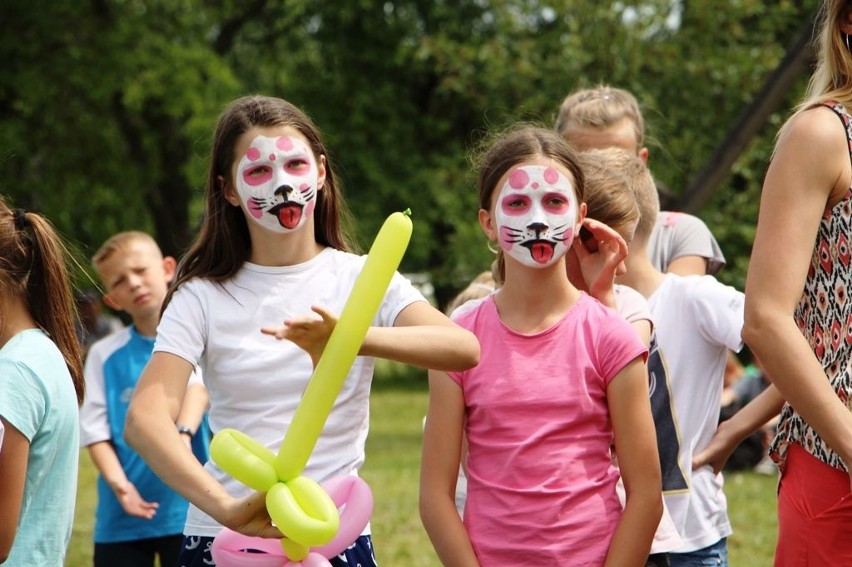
pixel 824 316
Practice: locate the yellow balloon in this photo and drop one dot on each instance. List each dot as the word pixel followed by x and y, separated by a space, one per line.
pixel 245 459
pixel 303 511
pixel 294 551
pixel 343 344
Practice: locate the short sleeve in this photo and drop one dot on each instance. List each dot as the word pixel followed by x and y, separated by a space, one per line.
pixel 401 293
pixel 183 327
pixel 688 235
pixel 94 421
pixel 23 400
pixel 719 311
pixel 618 345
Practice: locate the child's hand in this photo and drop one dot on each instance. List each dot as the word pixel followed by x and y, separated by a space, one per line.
pixel 249 516
pixel 600 252
pixel 133 503
pixel 309 333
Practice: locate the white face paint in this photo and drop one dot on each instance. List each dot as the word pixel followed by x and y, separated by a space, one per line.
pixel 277 182
pixel 535 214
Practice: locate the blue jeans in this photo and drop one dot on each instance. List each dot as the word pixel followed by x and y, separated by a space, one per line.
pixel 715 555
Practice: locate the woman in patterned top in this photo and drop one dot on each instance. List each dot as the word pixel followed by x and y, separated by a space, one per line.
pixel 798 318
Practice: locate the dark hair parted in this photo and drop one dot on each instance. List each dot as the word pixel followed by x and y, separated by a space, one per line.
pixel 522 142
pixel 223 243
pixel 33 267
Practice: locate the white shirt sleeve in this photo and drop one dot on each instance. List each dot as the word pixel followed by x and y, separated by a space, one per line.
pixel 94 421
pixel 719 312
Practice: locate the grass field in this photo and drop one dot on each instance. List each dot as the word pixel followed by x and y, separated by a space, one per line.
pixel 392 470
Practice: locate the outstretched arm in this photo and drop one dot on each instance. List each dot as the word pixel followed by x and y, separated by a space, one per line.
pixel 421 335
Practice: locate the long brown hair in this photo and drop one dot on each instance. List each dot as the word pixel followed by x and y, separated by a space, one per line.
pixel 223 243
pixel 33 267
pixel 504 150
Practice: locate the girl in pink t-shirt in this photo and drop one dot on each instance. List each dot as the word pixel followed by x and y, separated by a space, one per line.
pixel 561 379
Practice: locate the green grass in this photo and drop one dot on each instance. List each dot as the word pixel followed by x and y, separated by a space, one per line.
pixel 392 471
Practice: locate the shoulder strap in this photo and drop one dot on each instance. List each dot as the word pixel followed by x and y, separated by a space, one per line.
pixel 845 119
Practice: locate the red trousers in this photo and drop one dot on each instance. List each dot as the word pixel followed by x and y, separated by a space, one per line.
pixel 814 513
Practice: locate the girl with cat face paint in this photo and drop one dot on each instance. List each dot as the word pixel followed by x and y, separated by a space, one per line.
pixel 270 252
pixel 561 379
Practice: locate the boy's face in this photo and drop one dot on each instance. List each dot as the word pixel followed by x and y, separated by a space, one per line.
pixel 136 278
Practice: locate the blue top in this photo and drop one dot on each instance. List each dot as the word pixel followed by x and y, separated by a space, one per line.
pixel 113 367
pixel 37 398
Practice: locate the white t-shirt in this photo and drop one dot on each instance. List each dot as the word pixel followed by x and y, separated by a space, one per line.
pixel 698 320
pixel 633 306
pixel 256 382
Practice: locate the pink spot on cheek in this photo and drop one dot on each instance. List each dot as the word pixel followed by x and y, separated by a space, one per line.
pixel 551 175
pixel 284 143
pixel 253 154
pixel 518 179
pixel 271 157
pixel 253 209
pixel 535 185
pixel 304 187
pixel 309 208
pixel 505 238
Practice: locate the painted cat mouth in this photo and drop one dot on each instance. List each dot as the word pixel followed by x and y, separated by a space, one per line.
pixel 540 250
pixel 289 214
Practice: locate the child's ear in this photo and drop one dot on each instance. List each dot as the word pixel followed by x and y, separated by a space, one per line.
pixel 487 224
pixel 169 268
pixel 321 171
pixel 110 302
pixel 581 213
pixel 228 191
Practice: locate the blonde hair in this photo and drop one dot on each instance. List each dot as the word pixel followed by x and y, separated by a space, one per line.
pixel 615 166
pixel 832 77
pixel 480 286
pixel 600 107
pixel 120 242
pixel 608 197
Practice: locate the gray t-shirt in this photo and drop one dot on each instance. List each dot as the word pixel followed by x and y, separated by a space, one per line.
pixel 679 234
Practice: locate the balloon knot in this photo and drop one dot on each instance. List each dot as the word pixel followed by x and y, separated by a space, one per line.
pixel 407 212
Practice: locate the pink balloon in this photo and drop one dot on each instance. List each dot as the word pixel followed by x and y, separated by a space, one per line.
pixel 350 493
pixel 354 496
pixel 312 560
pixel 229 550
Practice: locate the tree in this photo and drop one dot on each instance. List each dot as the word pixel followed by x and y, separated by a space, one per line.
pixel 106 107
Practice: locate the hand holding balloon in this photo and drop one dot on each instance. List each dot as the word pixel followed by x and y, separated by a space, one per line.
pixel 305 512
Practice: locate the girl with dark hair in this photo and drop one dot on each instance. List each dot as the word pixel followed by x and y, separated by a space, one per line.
pixel 271 249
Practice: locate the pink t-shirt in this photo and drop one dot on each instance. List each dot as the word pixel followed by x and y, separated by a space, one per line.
pixel 541 484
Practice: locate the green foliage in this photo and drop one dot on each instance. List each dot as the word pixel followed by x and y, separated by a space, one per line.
pixel 106 107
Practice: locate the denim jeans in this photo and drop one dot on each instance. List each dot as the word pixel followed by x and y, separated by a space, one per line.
pixel 715 555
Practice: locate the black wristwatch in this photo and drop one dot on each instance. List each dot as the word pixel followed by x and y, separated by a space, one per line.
pixel 185 429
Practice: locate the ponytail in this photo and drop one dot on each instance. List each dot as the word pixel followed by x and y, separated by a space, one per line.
pixel 33 266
